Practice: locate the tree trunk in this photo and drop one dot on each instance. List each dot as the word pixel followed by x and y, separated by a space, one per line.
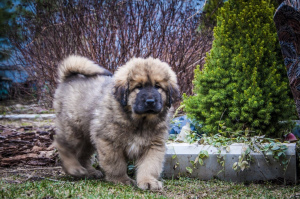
pixel 287 21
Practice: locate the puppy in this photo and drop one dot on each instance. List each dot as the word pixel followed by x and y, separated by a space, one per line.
pixel 122 117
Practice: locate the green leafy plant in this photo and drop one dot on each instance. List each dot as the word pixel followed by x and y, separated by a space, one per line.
pixel 273 148
pixel 243 83
pixel 177 162
pixel 259 144
pixel 198 160
pixel 192 137
pixel 244 161
pixel 131 169
pixel 203 154
pixel 208 17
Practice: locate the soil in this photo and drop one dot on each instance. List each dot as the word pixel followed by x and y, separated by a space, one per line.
pixel 22 174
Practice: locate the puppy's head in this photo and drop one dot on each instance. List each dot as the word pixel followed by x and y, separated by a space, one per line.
pixel 146 86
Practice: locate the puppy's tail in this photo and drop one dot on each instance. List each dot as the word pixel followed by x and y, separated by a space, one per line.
pixel 79 65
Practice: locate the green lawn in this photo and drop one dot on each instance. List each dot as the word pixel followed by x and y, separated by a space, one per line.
pixel 182 188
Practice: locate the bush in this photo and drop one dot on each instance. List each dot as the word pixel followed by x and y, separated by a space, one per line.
pixel 243 84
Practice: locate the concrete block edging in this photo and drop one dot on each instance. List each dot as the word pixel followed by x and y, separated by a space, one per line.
pixel 179 157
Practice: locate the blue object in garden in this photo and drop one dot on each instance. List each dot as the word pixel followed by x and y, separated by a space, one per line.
pixel 178 122
pixel 296 131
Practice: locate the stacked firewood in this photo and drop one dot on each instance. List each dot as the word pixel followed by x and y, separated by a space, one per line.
pixel 27 146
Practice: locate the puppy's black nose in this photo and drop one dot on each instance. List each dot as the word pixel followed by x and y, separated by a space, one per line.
pixel 150 102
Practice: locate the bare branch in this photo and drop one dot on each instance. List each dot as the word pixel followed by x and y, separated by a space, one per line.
pixel 110 33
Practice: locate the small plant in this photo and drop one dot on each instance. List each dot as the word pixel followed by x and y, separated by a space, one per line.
pixel 192 137
pixel 199 159
pixel 266 146
pixel 275 149
pixel 244 161
pixel 203 154
pixel 177 163
pixel 131 169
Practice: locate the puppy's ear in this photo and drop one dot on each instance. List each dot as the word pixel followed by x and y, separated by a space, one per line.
pixel 173 95
pixel 121 94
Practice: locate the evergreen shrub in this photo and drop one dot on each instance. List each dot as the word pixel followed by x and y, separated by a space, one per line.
pixel 243 85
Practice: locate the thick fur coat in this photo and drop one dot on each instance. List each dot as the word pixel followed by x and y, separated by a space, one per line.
pixel 123 117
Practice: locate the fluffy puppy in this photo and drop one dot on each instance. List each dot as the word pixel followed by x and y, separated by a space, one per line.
pixel 123 117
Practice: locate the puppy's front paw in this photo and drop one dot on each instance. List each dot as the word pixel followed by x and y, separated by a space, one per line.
pixel 150 184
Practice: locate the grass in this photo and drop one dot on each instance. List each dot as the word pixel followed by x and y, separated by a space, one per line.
pixel 27 122
pixel 181 188
pixel 21 107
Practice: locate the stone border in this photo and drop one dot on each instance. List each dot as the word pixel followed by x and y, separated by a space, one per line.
pixel 260 169
pixel 28 116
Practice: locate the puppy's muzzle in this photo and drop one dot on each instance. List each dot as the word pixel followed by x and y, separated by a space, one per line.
pixel 148 101
pixel 150 106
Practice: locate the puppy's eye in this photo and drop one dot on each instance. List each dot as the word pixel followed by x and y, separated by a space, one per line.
pixel 139 86
pixel 157 86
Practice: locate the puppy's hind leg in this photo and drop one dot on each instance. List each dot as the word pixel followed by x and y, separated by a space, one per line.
pixel 84 157
pixel 67 154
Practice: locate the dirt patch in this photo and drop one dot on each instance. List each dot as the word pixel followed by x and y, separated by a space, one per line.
pixel 23 174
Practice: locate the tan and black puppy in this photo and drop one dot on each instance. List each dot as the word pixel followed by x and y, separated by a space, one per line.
pixel 123 117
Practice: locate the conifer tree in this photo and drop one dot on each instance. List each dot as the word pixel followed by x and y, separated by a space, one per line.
pixel 208 18
pixel 243 84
